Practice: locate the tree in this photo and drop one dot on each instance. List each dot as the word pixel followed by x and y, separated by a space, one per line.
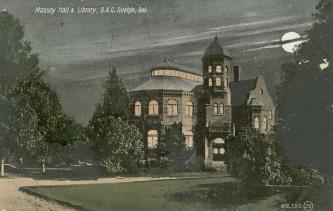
pixel 16 60
pixel 32 115
pixel 115 99
pixel 256 158
pixel 117 143
pixel 173 146
pixel 252 156
pixel 305 100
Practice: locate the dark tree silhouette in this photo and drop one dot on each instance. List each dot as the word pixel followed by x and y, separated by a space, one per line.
pixel 305 96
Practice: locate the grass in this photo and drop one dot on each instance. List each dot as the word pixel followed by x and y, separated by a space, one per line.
pixel 222 193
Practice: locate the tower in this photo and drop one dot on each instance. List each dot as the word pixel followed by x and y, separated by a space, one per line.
pixel 216 64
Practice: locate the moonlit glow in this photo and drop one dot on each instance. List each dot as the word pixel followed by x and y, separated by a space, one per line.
pixel 291 47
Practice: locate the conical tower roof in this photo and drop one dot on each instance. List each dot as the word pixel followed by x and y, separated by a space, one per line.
pixel 215 49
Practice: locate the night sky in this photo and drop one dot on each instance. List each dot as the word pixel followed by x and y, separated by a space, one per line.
pixel 77 51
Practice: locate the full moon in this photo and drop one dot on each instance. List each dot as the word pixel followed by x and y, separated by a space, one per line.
pixel 290 47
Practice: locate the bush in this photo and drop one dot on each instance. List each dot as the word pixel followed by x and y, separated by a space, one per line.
pixel 117 144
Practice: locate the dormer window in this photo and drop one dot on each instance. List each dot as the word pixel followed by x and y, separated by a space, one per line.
pixel 218 69
pixel 270 114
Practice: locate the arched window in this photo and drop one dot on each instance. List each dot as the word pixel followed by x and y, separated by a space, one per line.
pixel 137 108
pixel 189 109
pixel 225 83
pixel 218 69
pixel 152 139
pixel 189 139
pixel 153 107
pixel 172 108
pixel 210 82
pixel 218 141
pixel 270 114
pixel 210 69
pixel 218 81
pixel 221 108
pixel 256 123
pixel 215 107
pixel 264 123
pixel 261 91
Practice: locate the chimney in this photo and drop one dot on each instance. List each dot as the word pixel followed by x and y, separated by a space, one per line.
pixel 237 73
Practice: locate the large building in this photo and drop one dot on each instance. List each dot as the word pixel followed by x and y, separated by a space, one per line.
pixel 215 99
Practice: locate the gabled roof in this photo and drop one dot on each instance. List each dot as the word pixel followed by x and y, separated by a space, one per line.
pixel 167 83
pixel 240 91
pixel 215 49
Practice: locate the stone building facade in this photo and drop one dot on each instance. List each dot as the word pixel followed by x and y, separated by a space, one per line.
pixel 175 93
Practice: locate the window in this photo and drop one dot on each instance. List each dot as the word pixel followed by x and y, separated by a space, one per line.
pixel 172 108
pixel 221 109
pixel 137 108
pixel 264 123
pixel 256 123
pixel 152 139
pixel 210 69
pixel 189 109
pixel 153 107
pixel 215 108
pixel 218 141
pixel 261 91
pixel 210 82
pixel 270 114
pixel 189 139
pixel 225 82
pixel 218 69
pixel 218 81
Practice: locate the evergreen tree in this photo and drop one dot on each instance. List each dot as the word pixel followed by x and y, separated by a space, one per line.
pixel 116 142
pixel 305 96
pixel 16 60
pixel 173 146
pixel 32 115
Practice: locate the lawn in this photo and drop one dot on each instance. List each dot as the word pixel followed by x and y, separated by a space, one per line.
pixel 222 193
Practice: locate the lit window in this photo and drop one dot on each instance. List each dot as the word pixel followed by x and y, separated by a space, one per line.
pixel 189 139
pixel 270 114
pixel 218 69
pixel 218 81
pixel 210 82
pixel 153 107
pixel 256 123
pixel 225 83
pixel 137 108
pixel 264 123
pixel 189 109
pixel 210 69
pixel 172 108
pixel 221 109
pixel 152 139
pixel 215 108
pixel 218 141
